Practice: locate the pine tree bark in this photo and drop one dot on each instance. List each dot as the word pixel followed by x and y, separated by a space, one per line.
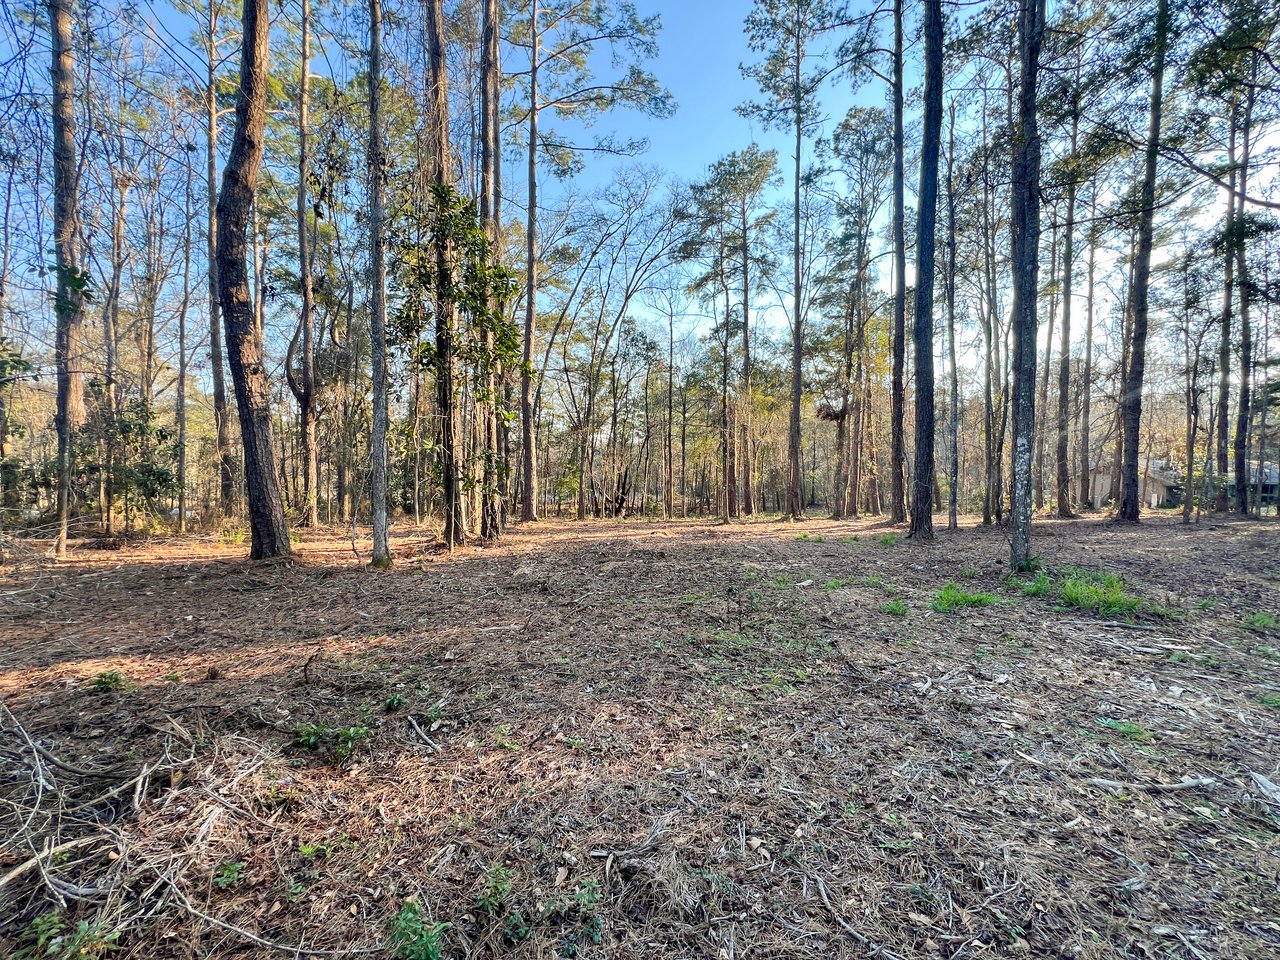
pixel 446 309
pixel 528 451
pixel 1228 304
pixel 69 295
pixel 491 513
pixel 1064 349
pixel 378 294
pixel 953 426
pixel 1140 282
pixel 1240 450
pixel 269 534
pixel 221 416
pixel 897 400
pixel 304 389
pixel 923 477
pixel 1025 227
pixel 795 475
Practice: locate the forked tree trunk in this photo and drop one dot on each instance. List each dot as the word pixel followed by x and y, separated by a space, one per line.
pixel 268 532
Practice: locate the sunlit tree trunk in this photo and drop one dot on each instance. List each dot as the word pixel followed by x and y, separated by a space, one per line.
pixel 268 531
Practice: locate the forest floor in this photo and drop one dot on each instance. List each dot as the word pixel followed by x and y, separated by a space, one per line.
pixel 632 739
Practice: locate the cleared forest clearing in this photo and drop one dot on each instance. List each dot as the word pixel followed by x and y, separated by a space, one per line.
pixel 655 740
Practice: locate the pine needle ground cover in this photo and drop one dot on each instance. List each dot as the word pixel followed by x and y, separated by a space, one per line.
pixel 647 740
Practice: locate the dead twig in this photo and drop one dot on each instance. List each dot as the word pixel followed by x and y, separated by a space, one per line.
pixel 875 948
pixel 1193 783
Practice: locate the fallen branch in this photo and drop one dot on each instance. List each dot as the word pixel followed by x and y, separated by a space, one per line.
pixel 871 945
pixel 1193 783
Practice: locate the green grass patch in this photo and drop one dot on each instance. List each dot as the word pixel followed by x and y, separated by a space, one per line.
pixel 1127 729
pixel 835 583
pixel 1270 700
pixel 895 608
pixel 1102 593
pixel 952 598
pixel 1261 621
pixel 887 539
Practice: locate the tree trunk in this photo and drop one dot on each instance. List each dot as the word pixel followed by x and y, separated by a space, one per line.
pixel 1140 282
pixel 528 454
pixel 897 402
pixel 953 425
pixel 269 535
pixel 1025 227
pixel 378 294
pixel 923 475
pixel 1241 446
pixel 1086 380
pixel 446 310
pixel 221 417
pixel 1064 361
pixel 744 412
pixel 491 222
pixel 305 391
pixel 1228 301
pixel 795 493
pixel 69 302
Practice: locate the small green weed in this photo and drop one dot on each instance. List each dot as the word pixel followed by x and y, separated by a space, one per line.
pixel 1270 700
pixel 836 583
pixel 110 681
pixel 1127 729
pixel 228 874
pixel 414 936
pixel 395 702
pixel 895 608
pixel 952 598
pixel 502 737
pixel 1261 621
pixel 47 938
pixel 516 929
pixel 497 887
pixel 887 539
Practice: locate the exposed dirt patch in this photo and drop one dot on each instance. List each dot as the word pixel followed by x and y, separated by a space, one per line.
pixel 644 740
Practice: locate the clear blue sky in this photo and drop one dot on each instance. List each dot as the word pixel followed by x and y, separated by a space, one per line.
pixel 700 48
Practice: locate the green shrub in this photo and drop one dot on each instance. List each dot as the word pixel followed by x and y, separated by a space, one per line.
pixel 952 598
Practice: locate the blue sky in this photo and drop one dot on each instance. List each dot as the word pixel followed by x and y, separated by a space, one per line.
pixel 700 48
